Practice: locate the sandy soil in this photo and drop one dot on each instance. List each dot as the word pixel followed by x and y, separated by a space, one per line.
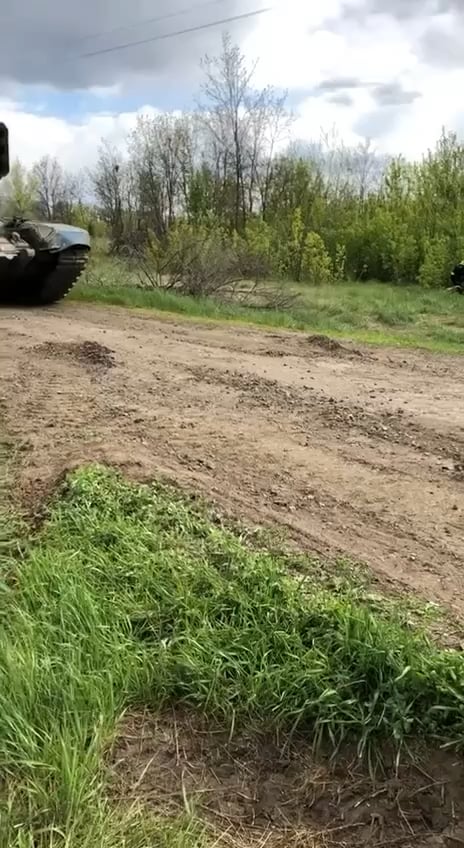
pixel 354 451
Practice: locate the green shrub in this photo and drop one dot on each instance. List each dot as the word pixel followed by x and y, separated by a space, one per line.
pixel 434 270
pixel 316 263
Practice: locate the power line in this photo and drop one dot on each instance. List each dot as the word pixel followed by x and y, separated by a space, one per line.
pixel 147 21
pixel 185 31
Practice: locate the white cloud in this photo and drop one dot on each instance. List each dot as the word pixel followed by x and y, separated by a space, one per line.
pixel 364 73
pixel 303 45
pixel 293 48
pixel 421 122
pixel 33 135
pixel 410 129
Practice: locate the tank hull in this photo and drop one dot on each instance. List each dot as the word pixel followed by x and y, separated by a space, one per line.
pixel 40 262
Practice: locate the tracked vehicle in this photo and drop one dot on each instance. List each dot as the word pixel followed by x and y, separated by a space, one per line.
pixel 39 261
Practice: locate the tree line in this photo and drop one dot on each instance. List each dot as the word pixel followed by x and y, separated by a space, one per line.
pixel 226 178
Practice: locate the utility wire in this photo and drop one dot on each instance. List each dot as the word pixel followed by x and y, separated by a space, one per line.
pixel 147 21
pixel 174 34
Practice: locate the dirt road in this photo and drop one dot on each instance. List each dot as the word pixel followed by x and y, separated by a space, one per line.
pixel 359 452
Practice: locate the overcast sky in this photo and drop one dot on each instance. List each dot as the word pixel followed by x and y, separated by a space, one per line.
pixel 392 70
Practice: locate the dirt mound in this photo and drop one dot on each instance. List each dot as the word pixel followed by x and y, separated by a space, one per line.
pixel 331 346
pixel 87 353
pixel 266 791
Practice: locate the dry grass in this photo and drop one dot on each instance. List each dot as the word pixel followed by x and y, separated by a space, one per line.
pixel 255 789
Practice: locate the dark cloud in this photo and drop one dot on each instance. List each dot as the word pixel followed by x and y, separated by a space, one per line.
pixel 401 9
pixel 341 99
pixel 42 43
pixel 390 99
pixel 335 84
pixel 441 47
pixel 393 94
pixel 384 94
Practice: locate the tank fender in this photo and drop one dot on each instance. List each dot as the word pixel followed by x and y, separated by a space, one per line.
pixel 67 236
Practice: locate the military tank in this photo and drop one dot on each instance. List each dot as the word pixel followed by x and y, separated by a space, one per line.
pixel 39 261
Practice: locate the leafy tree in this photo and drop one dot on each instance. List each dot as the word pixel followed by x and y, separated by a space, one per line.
pixel 20 191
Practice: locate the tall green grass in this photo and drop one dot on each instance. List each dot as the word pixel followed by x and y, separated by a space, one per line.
pixel 366 312
pixel 133 596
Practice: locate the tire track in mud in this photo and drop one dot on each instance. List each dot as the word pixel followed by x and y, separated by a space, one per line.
pixel 315 408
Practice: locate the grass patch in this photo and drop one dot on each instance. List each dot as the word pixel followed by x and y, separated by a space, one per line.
pixel 134 596
pixel 373 313
pixel 10 524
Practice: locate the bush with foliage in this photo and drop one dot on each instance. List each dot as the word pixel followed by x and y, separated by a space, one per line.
pixel 434 268
pixel 316 266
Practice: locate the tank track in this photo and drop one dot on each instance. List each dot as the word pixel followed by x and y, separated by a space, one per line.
pixel 58 282
pixel 48 280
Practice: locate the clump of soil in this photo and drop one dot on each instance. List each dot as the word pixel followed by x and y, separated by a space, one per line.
pixel 328 345
pixel 262 790
pixel 86 353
